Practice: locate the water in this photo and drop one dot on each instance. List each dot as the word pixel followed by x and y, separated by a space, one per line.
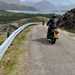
pixel 37 12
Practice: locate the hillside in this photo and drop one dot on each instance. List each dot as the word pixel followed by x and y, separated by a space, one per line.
pixel 68 20
pixel 44 5
pixel 6 6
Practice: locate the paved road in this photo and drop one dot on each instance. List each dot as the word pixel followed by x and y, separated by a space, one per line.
pixel 46 59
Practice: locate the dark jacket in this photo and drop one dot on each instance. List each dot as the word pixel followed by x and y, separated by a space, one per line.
pixel 51 24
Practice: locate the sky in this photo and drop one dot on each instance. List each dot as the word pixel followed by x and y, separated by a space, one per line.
pixel 66 2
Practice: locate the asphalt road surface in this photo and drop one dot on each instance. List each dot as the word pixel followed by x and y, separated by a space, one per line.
pixel 46 59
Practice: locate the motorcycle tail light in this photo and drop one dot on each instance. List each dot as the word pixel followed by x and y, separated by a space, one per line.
pixel 56 32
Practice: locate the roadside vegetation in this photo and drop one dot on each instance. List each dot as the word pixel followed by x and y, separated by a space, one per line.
pixel 8 63
pixel 2 39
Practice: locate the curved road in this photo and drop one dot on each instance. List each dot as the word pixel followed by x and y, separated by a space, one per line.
pixel 46 59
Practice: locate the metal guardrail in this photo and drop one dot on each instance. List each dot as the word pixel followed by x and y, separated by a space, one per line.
pixel 9 40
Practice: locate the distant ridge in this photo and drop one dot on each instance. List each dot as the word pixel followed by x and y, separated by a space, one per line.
pixel 6 6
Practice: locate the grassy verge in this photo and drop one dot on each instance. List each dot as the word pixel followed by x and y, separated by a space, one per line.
pixel 71 30
pixel 7 64
pixel 68 30
pixel 1 39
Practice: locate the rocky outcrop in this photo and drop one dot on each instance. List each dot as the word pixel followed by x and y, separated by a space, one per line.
pixel 68 20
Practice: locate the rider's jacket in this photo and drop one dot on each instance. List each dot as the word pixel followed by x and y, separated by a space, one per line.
pixel 51 24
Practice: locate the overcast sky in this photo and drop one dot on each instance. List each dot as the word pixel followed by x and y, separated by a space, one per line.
pixel 52 1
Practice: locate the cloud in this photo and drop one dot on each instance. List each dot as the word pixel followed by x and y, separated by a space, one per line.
pixel 64 2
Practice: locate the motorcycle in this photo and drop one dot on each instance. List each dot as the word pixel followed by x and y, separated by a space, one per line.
pixel 53 36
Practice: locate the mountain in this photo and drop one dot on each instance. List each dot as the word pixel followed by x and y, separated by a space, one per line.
pixel 48 6
pixel 45 5
pixel 6 6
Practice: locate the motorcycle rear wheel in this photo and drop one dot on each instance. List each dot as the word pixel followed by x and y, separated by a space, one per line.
pixel 53 41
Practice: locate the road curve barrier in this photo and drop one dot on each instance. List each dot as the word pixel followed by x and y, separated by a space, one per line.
pixel 9 40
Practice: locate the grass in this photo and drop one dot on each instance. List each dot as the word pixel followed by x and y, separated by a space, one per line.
pixel 7 64
pixel 71 30
pixel 1 39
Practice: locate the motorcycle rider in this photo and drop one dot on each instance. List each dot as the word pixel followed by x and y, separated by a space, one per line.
pixel 51 26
